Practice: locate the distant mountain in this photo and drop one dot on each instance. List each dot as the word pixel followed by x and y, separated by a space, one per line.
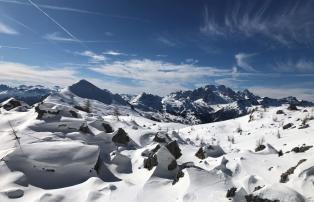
pixel 28 94
pixel 85 89
pixel 206 104
pixel 202 105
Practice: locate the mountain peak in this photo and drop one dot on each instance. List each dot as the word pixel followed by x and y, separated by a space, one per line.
pixel 85 89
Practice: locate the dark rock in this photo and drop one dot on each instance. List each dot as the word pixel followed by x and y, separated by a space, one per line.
pixel 231 192
pixel 84 128
pixel 285 176
pixel 301 149
pixel 200 153
pixel 11 104
pixel 172 165
pixel 280 112
pixel 41 112
pixel 257 188
pixel 304 126
pixel 107 127
pixel 305 110
pixel 252 198
pixel 150 162
pixel 174 149
pixel 120 137
pixel 288 125
pixel 73 114
pixel 162 137
pixel 82 109
pixel 292 107
pixel 260 148
pixel 280 153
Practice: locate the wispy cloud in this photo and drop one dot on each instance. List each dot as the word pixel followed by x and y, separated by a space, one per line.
pixel 156 75
pixel 94 57
pixel 17 72
pixel 18 22
pixel 166 41
pixel 13 47
pixel 6 29
pixel 290 23
pixel 113 53
pixel 299 66
pixel 243 61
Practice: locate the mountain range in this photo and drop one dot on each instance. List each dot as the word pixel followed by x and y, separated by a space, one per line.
pixel 202 105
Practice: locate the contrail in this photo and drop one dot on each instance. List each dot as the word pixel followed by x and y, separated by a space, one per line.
pixel 75 10
pixel 55 22
pixel 19 23
pixel 13 47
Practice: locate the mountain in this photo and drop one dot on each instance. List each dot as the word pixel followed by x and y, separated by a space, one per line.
pixel 28 94
pixel 85 89
pixel 205 104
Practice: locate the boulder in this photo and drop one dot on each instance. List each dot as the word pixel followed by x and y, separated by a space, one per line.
pixel 213 151
pixel 174 149
pixel 120 137
pixel 11 104
pixel 288 125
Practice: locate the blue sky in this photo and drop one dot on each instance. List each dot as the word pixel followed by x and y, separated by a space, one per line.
pixel 160 46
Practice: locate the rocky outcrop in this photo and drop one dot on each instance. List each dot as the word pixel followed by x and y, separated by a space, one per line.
pixel 120 137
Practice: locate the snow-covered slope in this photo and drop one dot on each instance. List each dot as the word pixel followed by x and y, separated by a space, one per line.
pixel 68 148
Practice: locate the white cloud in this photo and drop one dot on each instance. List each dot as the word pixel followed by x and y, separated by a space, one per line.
pixel 156 70
pixel 158 76
pixel 242 60
pixel 113 53
pixel 17 72
pixel 6 29
pixel 94 57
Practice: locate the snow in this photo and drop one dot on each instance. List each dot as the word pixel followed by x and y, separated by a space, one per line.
pixel 55 160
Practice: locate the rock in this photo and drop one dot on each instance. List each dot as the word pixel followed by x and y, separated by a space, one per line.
pixel 162 137
pixel 174 149
pixel 305 110
pixel 41 112
pixel 304 126
pixel 213 151
pixel 74 114
pixel 280 112
pixel 172 165
pixel 15 193
pixel 107 127
pixel 252 198
pixel 150 162
pixel 82 109
pixel 285 176
pixel 11 104
pixel 84 128
pixel 231 192
pixel 200 153
pixel 303 148
pixel 292 107
pixel 260 148
pixel 288 125
pixel 120 137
